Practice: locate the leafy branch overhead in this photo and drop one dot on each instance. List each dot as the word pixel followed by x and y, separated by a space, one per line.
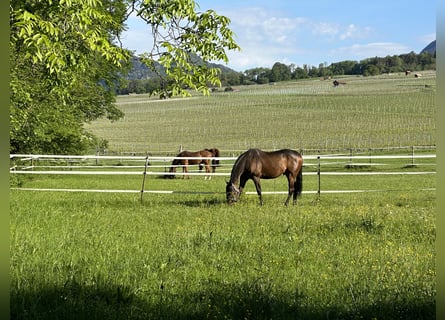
pixel 66 61
pixel 179 34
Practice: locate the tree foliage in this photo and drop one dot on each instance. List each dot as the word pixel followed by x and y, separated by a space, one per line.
pixel 66 62
pixel 365 67
pixel 180 34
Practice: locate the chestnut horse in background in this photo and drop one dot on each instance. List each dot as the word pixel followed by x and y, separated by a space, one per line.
pixel 196 157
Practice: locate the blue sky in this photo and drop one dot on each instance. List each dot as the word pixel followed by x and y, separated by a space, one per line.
pixel 313 31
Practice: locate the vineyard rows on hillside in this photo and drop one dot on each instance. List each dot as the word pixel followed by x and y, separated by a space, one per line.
pixel 372 112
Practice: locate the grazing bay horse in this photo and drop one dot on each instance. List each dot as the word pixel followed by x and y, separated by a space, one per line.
pixel 338 82
pixel 256 164
pixel 196 157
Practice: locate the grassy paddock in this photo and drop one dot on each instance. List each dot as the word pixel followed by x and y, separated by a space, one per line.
pixel 181 256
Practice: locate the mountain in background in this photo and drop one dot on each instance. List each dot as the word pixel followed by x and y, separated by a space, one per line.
pixel 140 71
pixel 431 48
pixel 141 79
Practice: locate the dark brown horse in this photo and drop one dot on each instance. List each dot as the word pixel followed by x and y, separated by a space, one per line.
pixel 256 164
pixel 338 82
pixel 200 158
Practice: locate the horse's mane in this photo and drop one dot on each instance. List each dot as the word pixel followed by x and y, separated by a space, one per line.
pixel 215 151
pixel 239 166
pixel 185 153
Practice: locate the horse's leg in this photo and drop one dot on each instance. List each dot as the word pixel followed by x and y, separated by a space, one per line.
pixel 294 197
pixel 207 167
pixel 256 181
pixel 242 184
pixel 172 170
pixel 213 166
pixel 208 171
pixel 291 182
pixel 185 171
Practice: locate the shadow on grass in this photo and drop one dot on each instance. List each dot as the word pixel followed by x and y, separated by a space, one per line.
pixel 218 301
pixel 200 203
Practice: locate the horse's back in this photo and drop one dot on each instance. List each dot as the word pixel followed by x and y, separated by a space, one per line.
pixel 280 160
pixel 258 153
pixel 295 159
pixel 263 164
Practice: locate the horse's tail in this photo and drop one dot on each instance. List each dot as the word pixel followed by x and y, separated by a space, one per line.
pixel 299 182
pixel 215 162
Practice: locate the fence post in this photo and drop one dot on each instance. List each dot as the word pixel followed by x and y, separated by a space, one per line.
pixel 144 176
pixel 318 174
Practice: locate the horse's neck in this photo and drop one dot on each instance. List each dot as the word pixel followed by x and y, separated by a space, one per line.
pixel 238 169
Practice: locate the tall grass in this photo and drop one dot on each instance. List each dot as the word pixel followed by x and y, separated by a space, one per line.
pixel 182 256
pixel 191 256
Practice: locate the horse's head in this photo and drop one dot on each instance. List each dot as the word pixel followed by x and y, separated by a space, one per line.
pixel 173 169
pixel 232 193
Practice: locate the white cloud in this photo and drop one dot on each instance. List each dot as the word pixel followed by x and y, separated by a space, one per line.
pixel 325 29
pixel 257 24
pixel 335 31
pixel 138 36
pixel 427 38
pixel 266 36
pixel 379 49
pixel 353 31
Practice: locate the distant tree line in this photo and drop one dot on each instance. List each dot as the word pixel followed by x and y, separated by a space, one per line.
pixel 282 72
pixel 367 67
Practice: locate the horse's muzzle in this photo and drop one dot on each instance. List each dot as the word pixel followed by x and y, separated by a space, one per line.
pixel 232 193
pixel 232 198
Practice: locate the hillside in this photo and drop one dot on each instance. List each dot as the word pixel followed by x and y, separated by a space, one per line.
pixel 389 110
pixel 143 80
pixel 431 48
pixel 140 71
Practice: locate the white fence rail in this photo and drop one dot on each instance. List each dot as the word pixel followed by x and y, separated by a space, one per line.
pixel 20 167
pixel 25 157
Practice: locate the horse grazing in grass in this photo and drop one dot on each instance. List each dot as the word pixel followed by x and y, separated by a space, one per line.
pixel 256 164
pixel 200 158
pixel 338 82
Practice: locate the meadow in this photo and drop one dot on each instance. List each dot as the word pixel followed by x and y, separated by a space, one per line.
pixel 189 255
pixel 182 256
pixel 373 112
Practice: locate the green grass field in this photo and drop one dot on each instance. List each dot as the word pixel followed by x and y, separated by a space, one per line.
pixel 386 111
pixel 191 256
pixel 188 255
